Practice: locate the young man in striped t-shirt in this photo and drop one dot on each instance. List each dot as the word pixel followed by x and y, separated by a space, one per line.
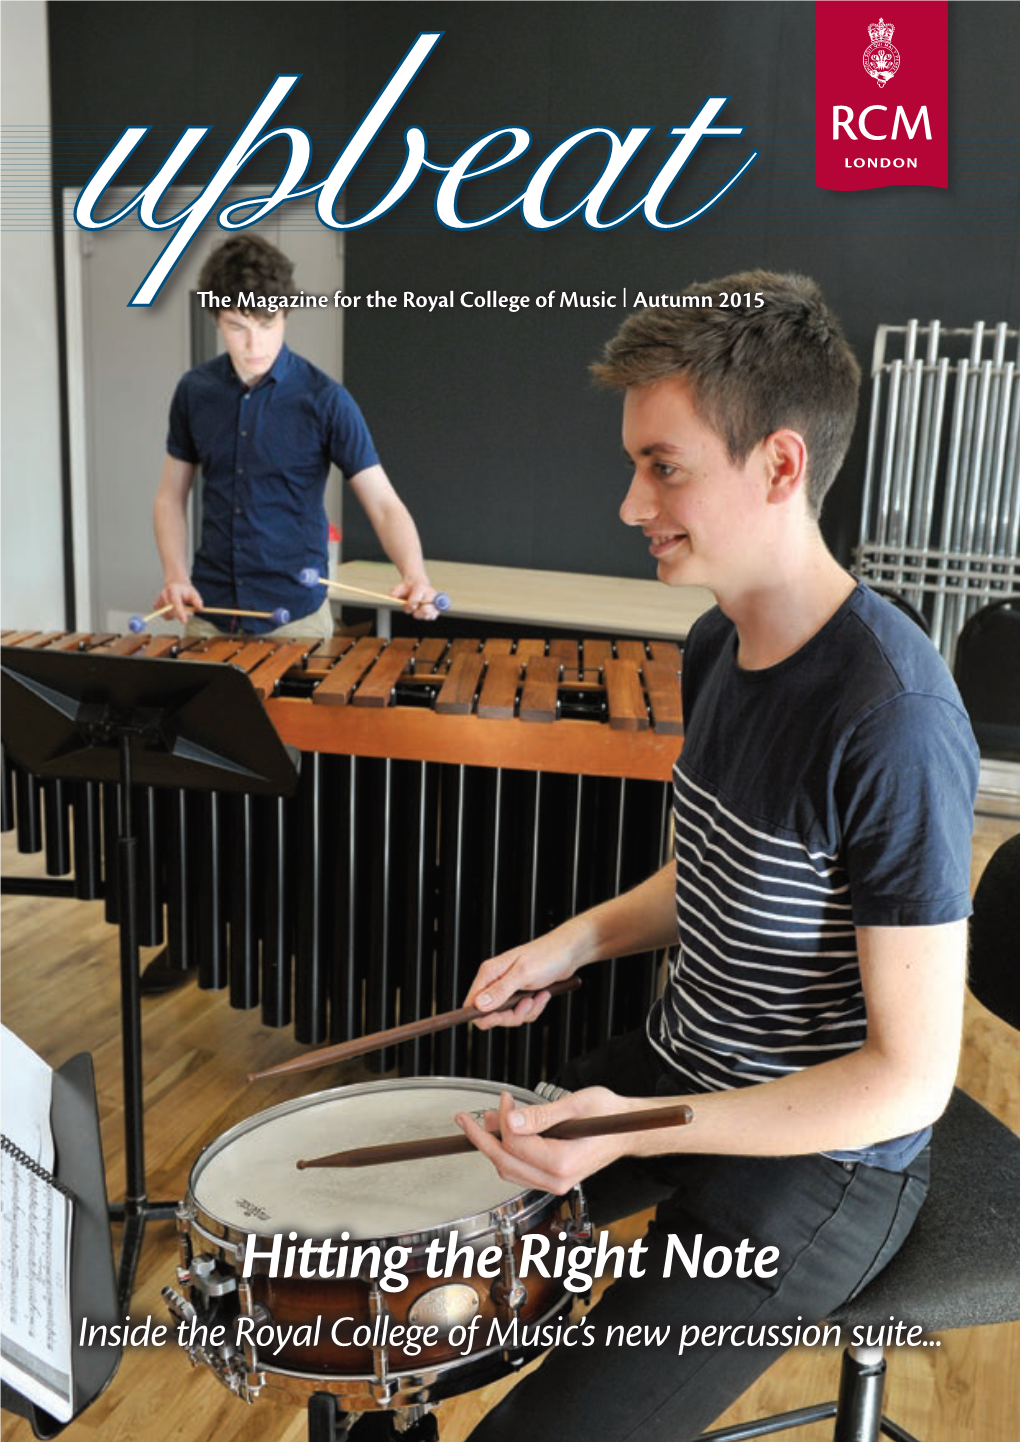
pixel 816 903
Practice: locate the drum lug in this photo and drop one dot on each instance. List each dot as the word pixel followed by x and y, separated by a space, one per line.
pixel 579 1227
pixel 184 1215
pixel 384 1388
pixel 259 1314
pixel 509 1291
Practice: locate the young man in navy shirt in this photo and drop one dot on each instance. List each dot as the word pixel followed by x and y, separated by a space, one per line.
pixel 264 425
pixel 815 907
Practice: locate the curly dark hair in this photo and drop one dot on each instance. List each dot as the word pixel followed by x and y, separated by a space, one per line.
pixel 246 265
pixel 752 369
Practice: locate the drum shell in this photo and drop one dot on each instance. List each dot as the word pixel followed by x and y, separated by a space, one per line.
pixel 298 1302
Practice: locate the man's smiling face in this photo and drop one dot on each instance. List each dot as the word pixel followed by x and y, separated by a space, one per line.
pixel 698 509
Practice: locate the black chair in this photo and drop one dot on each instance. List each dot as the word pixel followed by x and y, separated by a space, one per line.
pixel 986 668
pixel 960 1266
pixel 995 932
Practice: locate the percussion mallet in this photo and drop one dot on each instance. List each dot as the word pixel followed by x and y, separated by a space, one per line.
pixel 310 577
pixel 397 1034
pixel 419 1148
pixel 139 623
pixel 279 617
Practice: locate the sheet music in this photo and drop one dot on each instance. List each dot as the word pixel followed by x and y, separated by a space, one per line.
pixel 26 1093
pixel 35 1238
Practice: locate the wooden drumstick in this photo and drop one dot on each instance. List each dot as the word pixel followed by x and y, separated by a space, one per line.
pixel 422 1147
pixel 395 1034
pixel 310 577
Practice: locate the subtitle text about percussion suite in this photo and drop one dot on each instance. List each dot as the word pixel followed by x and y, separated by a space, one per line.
pixel 577 1265
pixel 271 1339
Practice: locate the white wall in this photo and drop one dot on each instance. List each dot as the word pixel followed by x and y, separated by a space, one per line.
pixel 31 529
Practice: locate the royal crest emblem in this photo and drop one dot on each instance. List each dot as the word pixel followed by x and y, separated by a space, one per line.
pixel 881 59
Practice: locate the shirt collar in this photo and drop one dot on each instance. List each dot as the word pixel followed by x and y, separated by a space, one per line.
pixel 281 365
pixel 278 371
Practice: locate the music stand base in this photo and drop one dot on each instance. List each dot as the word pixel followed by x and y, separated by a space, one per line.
pixel 162 975
pixel 134 1215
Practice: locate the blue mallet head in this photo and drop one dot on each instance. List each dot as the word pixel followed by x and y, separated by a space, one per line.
pixel 441 601
pixel 136 624
pixel 281 616
pixel 309 576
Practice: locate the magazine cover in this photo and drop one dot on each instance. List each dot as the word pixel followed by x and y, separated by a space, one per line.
pixel 397 355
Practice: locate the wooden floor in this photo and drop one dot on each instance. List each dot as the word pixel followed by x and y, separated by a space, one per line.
pixel 61 995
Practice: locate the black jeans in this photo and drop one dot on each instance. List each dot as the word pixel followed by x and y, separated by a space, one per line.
pixel 835 1225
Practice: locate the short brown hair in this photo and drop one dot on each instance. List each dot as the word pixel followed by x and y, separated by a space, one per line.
pixel 246 265
pixel 752 369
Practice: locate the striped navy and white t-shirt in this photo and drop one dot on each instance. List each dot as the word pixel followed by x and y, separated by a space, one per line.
pixel 831 791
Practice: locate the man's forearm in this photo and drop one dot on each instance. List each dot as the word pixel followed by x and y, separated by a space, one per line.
pixel 841 1105
pixel 642 919
pixel 399 538
pixel 391 520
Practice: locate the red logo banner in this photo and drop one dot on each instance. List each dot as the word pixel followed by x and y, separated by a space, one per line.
pixel 881 93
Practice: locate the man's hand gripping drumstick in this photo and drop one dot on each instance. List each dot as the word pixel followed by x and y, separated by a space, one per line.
pixel 643 919
pixel 526 1149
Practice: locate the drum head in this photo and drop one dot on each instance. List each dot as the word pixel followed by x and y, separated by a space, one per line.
pixel 248 1179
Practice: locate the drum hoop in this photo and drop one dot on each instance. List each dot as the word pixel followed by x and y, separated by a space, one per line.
pixel 520 1207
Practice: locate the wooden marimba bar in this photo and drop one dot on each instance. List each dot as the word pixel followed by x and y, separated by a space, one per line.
pixel 455 797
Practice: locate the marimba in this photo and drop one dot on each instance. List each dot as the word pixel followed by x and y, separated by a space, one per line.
pixel 455 798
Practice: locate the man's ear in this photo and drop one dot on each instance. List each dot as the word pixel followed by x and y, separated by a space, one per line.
pixel 786 460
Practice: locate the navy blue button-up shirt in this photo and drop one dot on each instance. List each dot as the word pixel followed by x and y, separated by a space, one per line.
pixel 265 455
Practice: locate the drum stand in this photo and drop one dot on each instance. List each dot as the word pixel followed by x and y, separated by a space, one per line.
pixel 328 1422
pixel 115 719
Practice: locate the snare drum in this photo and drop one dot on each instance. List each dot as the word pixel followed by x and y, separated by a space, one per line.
pixel 296 1335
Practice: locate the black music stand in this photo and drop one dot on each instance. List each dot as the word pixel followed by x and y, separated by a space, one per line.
pixel 188 725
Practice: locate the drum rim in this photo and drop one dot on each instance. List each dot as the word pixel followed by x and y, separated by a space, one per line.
pixel 519 1206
